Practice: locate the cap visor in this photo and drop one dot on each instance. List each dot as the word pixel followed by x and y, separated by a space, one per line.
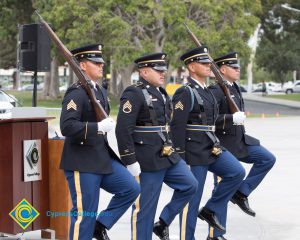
pixel 204 60
pixel 97 60
pixel 160 68
pixel 235 65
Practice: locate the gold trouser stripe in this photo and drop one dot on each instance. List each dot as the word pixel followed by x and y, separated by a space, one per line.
pixel 183 221
pixel 79 205
pixel 211 229
pixel 211 232
pixel 135 212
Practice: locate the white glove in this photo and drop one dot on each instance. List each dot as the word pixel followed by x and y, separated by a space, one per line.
pixel 134 169
pixel 238 118
pixel 106 125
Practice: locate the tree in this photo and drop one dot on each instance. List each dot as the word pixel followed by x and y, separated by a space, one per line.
pixel 279 49
pixel 13 13
pixel 129 29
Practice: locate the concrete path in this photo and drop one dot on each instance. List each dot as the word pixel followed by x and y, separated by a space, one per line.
pixel 276 200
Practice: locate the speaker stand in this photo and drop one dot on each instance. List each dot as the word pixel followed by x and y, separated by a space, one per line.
pixel 34 94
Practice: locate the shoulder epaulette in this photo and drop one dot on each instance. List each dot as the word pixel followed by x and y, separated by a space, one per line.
pixel 76 85
pixel 213 84
pixel 138 84
pixel 188 84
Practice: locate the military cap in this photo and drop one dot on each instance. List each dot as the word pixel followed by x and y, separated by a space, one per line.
pixel 90 52
pixel 230 59
pixel 157 61
pixel 199 54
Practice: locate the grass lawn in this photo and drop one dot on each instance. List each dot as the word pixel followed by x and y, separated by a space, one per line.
pixel 25 99
pixel 292 97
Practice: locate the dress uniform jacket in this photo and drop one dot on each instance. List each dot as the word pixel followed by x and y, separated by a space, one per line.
pixel 193 146
pixel 231 136
pixel 85 149
pixel 144 147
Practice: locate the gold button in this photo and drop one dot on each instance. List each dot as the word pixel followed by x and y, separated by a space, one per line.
pixel 141 142
pixel 189 138
pixel 81 143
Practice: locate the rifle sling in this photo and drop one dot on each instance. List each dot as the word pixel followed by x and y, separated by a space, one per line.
pixel 203 119
pixel 153 115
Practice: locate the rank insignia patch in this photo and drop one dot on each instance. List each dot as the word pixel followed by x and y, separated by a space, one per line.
pixel 179 105
pixel 127 107
pixel 72 105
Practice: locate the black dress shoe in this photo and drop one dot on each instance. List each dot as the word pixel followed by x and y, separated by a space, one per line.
pixel 161 230
pixel 210 217
pixel 242 201
pixel 100 232
pixel 216 238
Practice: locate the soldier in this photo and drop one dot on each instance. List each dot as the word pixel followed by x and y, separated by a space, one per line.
pixel 87 160
pixel 193 126
pixel 231 132
pixel 144 141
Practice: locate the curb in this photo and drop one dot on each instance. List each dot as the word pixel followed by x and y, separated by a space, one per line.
pixel 282 102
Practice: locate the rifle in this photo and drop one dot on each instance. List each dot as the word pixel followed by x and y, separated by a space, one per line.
pixel 83 79
pixel 214 68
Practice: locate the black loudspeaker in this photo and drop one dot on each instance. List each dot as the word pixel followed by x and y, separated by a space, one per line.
pixel 34 48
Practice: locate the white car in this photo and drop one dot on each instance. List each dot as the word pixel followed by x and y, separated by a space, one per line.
pixel 271 87
pixel 292 87
pixel 7 102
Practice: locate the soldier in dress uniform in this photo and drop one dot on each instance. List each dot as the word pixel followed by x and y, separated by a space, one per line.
pixel 88 162
pixel 144 142
pixel 231 132
pixel 192 127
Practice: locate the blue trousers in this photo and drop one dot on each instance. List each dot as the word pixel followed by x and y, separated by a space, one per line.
pixel 262 161
pixel 232 173
pixel 85 189
pixel 178 177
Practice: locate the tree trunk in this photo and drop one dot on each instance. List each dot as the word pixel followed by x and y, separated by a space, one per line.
pixel 121 79
pixel 112 80
pixel 47 80
pixel 54 82
pixel 72 78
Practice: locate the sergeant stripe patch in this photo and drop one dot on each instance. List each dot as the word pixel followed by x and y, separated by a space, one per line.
pixel 72 105
pixel 127 107
pixel 179 105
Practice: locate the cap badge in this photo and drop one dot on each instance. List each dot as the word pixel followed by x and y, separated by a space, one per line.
pixel 100 47
pixel 205 50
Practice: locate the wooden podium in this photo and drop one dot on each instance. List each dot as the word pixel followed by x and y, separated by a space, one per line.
pixel 60 200
pixel 12 186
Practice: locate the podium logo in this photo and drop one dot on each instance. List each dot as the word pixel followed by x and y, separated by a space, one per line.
pixel 24 214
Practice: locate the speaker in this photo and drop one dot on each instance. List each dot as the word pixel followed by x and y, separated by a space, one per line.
pixel 34 48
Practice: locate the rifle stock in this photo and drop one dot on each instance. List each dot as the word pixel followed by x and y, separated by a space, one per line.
pixel 99 111
pixel 214 68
